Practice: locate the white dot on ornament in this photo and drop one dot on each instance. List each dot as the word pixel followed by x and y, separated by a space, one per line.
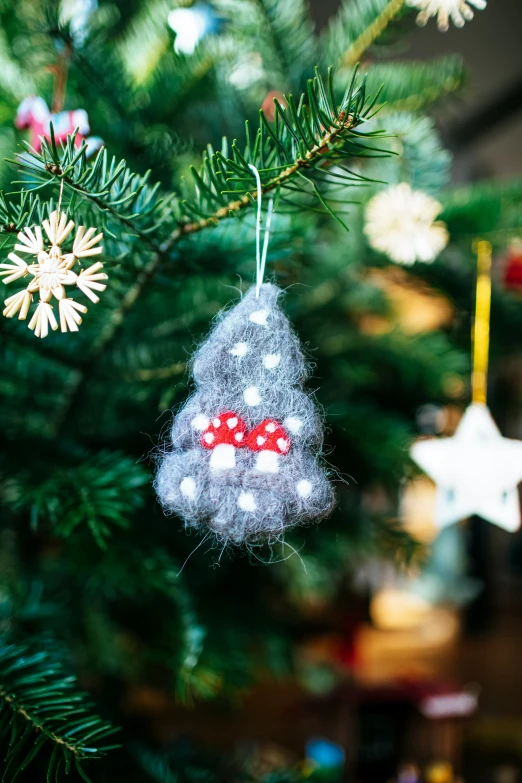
pixel 259 317
pixel 216 423
pixel 267 462
pixel 270 427
pixel 209 438
pixel 271 360
pixel 304 488
pixel 283 444
pixel 260 440
pixel 238 436
pixel 252 396
pixel 201 422
pixel 246 502
pixel 239 350
pixel 293 424
pixel 188 488
pixel 231 423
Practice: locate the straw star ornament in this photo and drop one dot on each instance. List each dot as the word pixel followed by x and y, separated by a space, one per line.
pixel 51 272
pixel 459 11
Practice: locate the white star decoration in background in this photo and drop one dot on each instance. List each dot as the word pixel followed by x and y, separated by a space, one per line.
pixel 476 471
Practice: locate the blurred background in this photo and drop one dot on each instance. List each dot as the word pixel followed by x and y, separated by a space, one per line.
pixel 484 131
pixel 388 647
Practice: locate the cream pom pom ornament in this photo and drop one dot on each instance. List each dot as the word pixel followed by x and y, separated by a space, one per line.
pixel 245 459
pixel 401 223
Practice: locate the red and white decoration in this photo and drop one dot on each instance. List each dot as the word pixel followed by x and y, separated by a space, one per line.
pixel 34 114
pixel 227 432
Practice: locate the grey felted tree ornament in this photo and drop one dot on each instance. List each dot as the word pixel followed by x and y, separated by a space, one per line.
pixel 245 462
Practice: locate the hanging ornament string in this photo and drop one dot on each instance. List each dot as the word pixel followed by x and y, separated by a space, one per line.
pixel 261 256
pixel 481 323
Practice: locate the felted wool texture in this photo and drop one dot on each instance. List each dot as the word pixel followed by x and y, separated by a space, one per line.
pixel 250 367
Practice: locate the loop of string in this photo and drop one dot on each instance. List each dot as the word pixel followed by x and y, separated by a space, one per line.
pixel 261 255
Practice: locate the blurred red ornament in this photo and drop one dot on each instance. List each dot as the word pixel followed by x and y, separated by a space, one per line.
pixel 512 275
pixel 268 106
pixel 34 114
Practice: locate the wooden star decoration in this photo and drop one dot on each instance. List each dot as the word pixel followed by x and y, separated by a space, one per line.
pixel 476 471
pixel 52 270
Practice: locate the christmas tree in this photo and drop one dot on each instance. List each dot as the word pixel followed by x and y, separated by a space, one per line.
pixel 96 591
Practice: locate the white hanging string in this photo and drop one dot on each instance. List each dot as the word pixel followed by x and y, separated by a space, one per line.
pixel 261 256
pixel 265 243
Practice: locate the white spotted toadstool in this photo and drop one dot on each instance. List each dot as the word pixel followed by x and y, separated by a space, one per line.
pixel 223 436
pixel 270 439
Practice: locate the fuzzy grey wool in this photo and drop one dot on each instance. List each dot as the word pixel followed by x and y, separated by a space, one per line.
pixel 245 463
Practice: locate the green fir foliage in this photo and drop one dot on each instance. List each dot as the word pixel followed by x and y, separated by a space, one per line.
pixel 92 572
pixel 41 707
pixel 100 492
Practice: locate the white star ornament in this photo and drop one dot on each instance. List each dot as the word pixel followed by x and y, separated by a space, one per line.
pixel 476 471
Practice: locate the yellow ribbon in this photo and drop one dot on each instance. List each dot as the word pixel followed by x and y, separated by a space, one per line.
pixel 479 378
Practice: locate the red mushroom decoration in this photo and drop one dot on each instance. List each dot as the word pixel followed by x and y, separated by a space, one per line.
pixel 224 435
pixel 270 439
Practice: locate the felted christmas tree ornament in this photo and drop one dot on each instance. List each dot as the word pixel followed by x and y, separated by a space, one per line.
pixel 245 463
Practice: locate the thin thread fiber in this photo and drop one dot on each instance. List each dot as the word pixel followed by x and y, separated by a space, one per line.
pixel 245 462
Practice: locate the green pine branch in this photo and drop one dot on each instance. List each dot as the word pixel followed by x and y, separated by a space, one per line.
pixel 356 27
pixel 284 36
pixel 306 137
pixel 40 707
pixel 411 86
pixel 16 215
pixel 488 209
pixel 295 152
pixel 101 492
pixel 420 159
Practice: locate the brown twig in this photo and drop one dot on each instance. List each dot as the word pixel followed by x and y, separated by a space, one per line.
pixel 61 75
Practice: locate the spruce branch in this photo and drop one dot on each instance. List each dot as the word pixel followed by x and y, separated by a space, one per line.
pixel 319 149
pixel 284 36
pixel 489 209
pixel 40 706
pixel 356 27
pixel 15 216
pixel 412 86
pixel 374 30
pixel 99 493
pixel 309 135
pixel 305 135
